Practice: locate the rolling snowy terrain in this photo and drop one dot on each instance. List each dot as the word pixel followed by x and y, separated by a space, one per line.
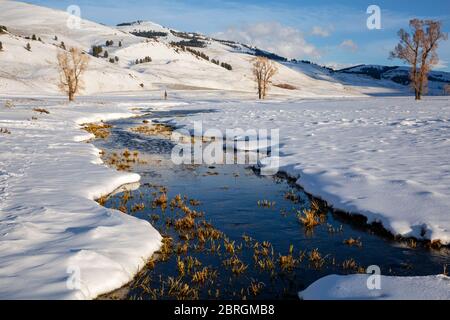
pixel 335 287
pixel 396 78
pixel 171 67
pixel 385 158
pixel 35 71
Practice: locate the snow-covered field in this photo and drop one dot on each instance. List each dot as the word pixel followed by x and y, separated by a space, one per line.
pixel 334 287
pixel 52 232
pixel 384 158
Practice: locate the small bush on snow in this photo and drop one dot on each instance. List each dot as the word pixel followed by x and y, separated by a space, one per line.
pixel 9 104
pixel 447 89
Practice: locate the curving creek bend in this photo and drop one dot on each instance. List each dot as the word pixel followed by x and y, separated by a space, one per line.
pixel 243 238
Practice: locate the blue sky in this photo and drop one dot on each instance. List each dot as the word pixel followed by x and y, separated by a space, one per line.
pixel 331 32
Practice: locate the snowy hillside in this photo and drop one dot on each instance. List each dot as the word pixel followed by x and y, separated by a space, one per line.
pixel 383 158
pixel 175 60
pixel 50 225
pixel 34 71
pixel 354 287
pixel 173 65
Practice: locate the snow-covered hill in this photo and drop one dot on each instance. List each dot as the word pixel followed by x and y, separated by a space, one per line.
pixel 34 71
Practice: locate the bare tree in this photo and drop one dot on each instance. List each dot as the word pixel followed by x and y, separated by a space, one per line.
pixel 447 89
pixel 418 49
pixel 72 64
pixel 263 70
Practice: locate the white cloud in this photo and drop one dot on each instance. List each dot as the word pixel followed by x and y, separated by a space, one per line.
pixel 349 45
pixel 320 31
pixel 339 65
pixel 272 36
pixel 441 65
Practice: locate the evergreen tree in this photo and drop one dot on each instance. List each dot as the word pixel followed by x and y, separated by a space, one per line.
pixel 62 45
pixel 56 38
pixel 226 66
pixel 105 55
pixel 1 46
pixel 28 47
pixel 33 37
pixel 120 43
pixel 116 58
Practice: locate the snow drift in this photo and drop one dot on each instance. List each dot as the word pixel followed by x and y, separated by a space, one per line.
pixel 52 231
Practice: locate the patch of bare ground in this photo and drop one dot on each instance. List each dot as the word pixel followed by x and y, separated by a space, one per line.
pixel 99 130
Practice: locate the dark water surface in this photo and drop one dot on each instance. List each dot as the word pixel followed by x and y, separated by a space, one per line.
pixel 229 196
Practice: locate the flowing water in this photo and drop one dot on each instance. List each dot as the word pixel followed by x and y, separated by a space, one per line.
pixel 257 219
